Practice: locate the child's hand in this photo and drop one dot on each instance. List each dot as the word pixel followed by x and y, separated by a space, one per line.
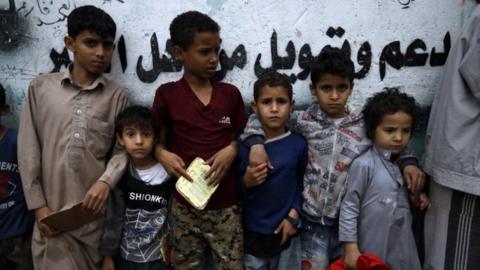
pixel 173 164
pixel 286 228
pixel 107 263
pixel 220 163
pixel 44 229
pixel 96 197
pixel 351 255
pixel 254 176
pixel 258 155
pixel 414 177
pixel 424 201
pixel 420 201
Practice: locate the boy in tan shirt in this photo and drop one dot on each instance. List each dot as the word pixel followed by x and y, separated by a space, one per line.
pixel 65 137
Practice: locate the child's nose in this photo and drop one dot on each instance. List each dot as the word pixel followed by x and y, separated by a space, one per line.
pixel 398 136
pixel 274 106
pixel 214 58
pixel 100 51
pixel 334 94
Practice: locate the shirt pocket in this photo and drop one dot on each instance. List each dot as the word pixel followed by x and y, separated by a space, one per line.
pixel 100 137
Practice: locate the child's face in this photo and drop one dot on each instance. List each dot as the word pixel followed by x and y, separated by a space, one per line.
pixel 92 53
pixel 138 143
pixel 200 59
pixel 273 108
pixel 332 92
pixel 394 132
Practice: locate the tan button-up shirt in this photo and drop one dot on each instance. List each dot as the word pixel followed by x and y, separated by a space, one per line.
pixel 65 135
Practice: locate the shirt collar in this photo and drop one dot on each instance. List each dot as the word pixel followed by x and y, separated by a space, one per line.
pixel 286 134
pixel 67 78
pixel 384 153
pixel 353 115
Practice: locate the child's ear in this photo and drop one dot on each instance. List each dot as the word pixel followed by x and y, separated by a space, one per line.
pixel 120 140
pixel 69 43
pixel 292 104
pixel 253 105
pixel 312 90
pixel 178 52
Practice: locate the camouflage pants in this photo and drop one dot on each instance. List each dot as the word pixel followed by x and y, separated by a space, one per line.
pixel 194 232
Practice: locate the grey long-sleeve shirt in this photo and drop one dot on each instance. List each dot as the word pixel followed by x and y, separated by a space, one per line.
pixel 375 211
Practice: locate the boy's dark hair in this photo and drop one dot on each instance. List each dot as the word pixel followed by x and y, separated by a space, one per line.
pixel 185 25
pixel 93 19
pixel 137 116
pixel 271 79
pixel 3 98
pixel 332 61
pixel 389 101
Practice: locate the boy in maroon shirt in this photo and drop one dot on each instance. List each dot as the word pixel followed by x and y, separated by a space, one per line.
pixel 199 117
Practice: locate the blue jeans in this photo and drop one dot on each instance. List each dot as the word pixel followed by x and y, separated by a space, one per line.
pixel 257 263
pixel 320 245
pixel 289 259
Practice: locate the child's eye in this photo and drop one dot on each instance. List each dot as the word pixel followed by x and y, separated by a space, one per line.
pixel 130 134
pixel 205 52
pixel 147 134
pixel 108 45
pixel 407 130
pixel 343 88
pixel 326 88
pixel 282 101
pixel 90 43
pixel 389 130
pixel 266 101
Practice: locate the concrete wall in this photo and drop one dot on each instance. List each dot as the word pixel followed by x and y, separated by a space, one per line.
pixel 400 43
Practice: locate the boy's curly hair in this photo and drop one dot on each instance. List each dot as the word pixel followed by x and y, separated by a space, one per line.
pixel 185 25
pixel 137 116
pixel 388 101
pixel 93 19
pixel 332 61
pixel 271 79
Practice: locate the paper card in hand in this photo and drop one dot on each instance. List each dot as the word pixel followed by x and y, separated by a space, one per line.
pixel 198 192
pixel 70 219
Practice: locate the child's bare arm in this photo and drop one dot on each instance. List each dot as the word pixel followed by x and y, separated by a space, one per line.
pixel 220 163
pixel 173 164
pixel 107 263
pixel 351 255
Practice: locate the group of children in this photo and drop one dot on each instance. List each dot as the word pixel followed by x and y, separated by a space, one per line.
pixel 304 187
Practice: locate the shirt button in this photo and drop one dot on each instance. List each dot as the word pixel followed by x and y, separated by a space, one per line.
pixel 79 111
pixel 76 135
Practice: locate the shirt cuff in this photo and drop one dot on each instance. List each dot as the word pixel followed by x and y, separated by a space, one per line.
pixel 254 139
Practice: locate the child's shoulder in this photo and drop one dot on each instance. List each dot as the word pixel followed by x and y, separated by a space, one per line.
pixel 48 78
pixel 298 139
pixel 114 86
pixel 168 86
pixel 365 159
pixel 226 88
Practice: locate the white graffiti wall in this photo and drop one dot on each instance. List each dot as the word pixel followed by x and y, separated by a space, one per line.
pixel 400 43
